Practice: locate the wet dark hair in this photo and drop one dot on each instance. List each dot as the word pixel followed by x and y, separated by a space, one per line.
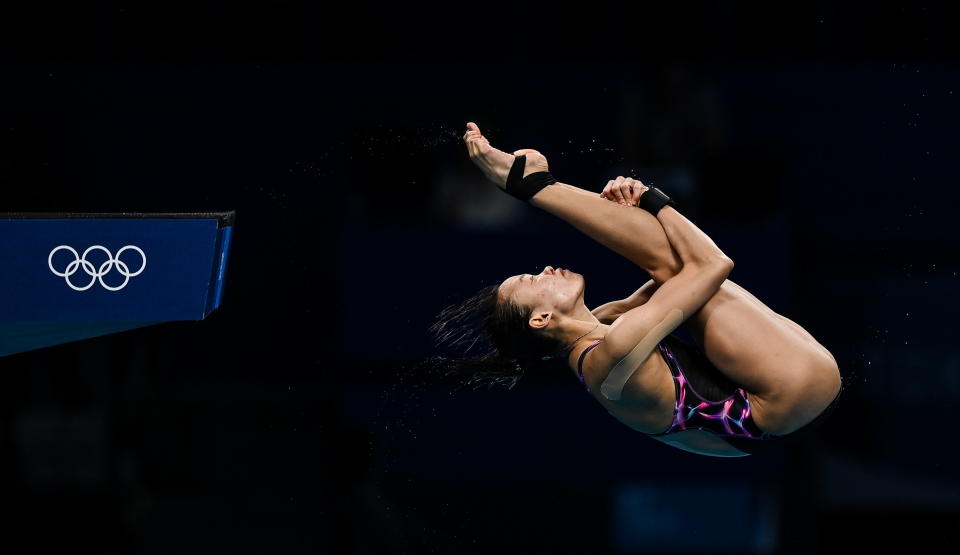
pixel 513 347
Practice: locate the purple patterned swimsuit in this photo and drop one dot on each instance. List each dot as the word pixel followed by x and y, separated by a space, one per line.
pixel 729 417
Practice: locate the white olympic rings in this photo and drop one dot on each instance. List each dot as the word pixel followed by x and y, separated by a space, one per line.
pixel 81 261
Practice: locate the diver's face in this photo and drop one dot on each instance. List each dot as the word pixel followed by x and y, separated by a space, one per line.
pixel 552 289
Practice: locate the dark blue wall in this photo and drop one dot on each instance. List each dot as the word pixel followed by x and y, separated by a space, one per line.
pixel 814 144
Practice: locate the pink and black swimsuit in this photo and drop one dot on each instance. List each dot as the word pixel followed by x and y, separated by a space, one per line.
pixel 728 417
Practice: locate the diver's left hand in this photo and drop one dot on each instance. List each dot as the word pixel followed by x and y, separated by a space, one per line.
pixel 624 190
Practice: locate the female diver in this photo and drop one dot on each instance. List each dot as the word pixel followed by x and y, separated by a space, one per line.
pixel 755 375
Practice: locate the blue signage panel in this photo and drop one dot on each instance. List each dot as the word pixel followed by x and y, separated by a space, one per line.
pixel 112 268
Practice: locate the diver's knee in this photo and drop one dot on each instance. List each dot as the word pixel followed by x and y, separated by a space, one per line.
pixel 820 385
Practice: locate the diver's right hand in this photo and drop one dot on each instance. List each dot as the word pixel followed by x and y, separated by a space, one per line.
pixel 624 190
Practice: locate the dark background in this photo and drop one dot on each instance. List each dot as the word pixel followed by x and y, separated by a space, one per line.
pixel 815 144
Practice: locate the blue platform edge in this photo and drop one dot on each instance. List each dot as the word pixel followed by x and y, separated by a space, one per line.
pixel 219 269
pixel 34 315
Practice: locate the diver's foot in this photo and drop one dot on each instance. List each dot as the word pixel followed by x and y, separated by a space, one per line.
pixel 495 163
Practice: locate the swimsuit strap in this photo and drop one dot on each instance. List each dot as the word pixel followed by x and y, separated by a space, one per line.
pixel 580 362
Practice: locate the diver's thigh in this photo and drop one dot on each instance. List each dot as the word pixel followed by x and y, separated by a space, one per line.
pixel 751 344
pixel 797 328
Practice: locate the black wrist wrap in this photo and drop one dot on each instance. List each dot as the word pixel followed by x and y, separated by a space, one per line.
pixel 528 186
pixel 653 199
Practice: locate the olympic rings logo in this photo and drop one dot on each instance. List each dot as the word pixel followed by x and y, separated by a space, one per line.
pixel 95 274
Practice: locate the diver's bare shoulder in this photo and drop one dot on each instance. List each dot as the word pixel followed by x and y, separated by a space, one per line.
pixel 648 398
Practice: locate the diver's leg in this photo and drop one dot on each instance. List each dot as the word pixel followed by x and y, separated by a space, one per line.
pixel 631 232
pixel 793 325
pixel 790 377
pixel 635 234
pixel 628 231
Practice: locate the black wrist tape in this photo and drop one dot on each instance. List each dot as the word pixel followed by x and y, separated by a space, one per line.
pixel 525 187
pixel 653 199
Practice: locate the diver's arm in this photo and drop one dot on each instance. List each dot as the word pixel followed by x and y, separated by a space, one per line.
pixel 609 312
pixel 638 297
pixel 692 245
